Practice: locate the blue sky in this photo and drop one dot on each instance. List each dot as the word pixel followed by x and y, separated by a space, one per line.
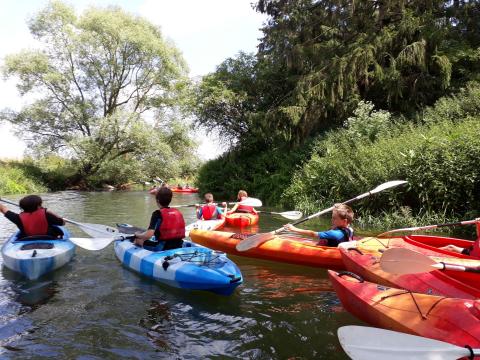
pixel 206 31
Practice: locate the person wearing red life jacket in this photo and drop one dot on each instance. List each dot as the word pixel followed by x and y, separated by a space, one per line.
pixel 242 195
pixel 34 220
pixel 167 226
pixel 210 210
pixel 473 250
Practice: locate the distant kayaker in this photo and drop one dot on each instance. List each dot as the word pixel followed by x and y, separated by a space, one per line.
pixel 210 210
pixel 341 231
pixel 242 195
pixel 34 220
pixel 167 226
pixel 473 250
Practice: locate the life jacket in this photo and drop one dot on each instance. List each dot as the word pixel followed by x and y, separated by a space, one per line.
pixel 172 226
pixel 34 223
pixel 209 212
pixel 347 233
pixel 245 209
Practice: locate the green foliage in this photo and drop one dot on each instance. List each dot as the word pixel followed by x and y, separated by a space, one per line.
pixel 367 123
pixel 15 180
pixel 437 159
pixel 96 75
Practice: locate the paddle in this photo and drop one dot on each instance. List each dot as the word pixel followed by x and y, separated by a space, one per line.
pixel 291 215
pixel 367 343
pixel 248 202
pixel 429 227
pixel 257 240
pixel 94 230
pixel 405 261
pixel 97 243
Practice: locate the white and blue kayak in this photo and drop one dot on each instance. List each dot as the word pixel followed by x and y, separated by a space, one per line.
pixel 34 257
pixel 205 225
pixel 191 267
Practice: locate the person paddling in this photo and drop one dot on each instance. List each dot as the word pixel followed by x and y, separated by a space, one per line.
pixel 167 226
pixel 34 220
pixel 210 211
pixel 473 250
pixel 242 195
pixel 341 231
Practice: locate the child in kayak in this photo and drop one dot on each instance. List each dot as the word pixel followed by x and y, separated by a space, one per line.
pixel 341 231
pixel 210 211
pixel 34 220
pixel 167 226
pixel 242 195
pixel 473 250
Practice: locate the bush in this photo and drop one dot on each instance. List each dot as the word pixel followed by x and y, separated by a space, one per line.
pixel 14 180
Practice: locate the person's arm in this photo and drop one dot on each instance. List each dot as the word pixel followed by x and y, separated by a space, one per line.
pixel 310 233
pixel 3 209
pixel 140 237
pixel 233 209
pixel 54 219
pixel 452 248
pixel 199 211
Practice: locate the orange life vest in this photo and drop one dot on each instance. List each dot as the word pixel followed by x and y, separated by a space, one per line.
pixel 209 212
pixel 172 226
pixel 35 223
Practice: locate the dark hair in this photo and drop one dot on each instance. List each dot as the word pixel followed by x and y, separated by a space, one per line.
pixel 164 196
pixel 30 203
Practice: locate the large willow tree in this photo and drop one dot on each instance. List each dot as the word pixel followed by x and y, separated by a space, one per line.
pixel 92 78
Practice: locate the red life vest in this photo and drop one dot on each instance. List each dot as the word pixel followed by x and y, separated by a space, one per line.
pixel 34 223
pixel 245 209
pixel 209 212
pixel 172 226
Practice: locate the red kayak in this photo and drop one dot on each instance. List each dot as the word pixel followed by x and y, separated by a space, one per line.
pixel 241 219
pixel 453 320
pixel 362 257
pixel 184 190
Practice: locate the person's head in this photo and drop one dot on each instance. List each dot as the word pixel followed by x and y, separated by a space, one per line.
pixel 242 194
pixel 164 196
pixel 31 203
pixel 342 215
pixel 208 198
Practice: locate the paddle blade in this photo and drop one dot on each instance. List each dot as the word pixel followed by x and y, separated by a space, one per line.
pixel 251 202
pixel 97 230
pixel 254 241
pixel 291 215
pixel 404 261
pixel 366 343
pixel 92 243
pixel 388 185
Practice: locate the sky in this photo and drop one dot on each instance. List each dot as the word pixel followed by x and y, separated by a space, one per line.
pixel 206 31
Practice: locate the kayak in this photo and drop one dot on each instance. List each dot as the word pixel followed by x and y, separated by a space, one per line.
pixel 184 190
pixel 191 267
pixel 35 256
pixel 205 225
pixel 362 257
pixel 241 219
pixel 283 248
pixel 453 320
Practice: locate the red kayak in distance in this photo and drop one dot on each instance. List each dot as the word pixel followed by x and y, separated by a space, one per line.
pixel 177 190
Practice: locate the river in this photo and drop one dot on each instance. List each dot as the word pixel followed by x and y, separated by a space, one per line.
pixel 93 308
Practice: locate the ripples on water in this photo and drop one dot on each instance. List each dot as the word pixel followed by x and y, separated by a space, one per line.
pixel 93 308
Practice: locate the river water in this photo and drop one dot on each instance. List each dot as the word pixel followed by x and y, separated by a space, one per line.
pixel 93 308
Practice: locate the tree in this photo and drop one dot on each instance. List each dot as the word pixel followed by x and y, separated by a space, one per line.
pixel 93 79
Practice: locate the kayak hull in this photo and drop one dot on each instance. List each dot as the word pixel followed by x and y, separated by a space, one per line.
pixel 241 219
pixel 446 319
pixel 363 258
pixel 283 248
pixel 205 225
pixel 189 190
pixel 37 257
pixel 191 267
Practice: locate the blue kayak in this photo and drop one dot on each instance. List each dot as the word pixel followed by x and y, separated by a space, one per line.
pixel 191 267
pixel 34 257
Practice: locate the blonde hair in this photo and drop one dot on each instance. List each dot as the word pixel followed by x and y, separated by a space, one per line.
pixel 242 193
pixel 344 212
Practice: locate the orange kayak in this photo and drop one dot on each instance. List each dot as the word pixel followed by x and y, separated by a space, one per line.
pixel 362 257
pixel 453 320
pixel 184 190
pixel 241 219
pixel 282 248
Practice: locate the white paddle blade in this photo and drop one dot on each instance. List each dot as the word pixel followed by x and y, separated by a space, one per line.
pixel 404 261
pixel 98 230
pixel 251 202
pixel 291 215
pixel 366 343
pixel 388 185
pixel 92 243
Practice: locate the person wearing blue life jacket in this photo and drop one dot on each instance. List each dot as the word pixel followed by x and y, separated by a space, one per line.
pixel 167 226
pixel 341 231
pixel 210 210
pixel 34 220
